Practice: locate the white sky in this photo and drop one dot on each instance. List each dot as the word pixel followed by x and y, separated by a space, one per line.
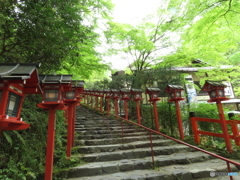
pixel 131 12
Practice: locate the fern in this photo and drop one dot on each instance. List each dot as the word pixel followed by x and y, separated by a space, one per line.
pixel 19 136
pixel 8 138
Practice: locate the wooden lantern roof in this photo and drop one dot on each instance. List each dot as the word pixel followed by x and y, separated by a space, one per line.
pixel 106 90
pixel 170 88
pixel 115 91
pixel 152 90
pixel 55 79
pixel 211 84
pixel 125 91
pixel 21 73
pixel 134 91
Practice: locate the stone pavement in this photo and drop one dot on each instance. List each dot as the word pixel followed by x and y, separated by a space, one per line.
pixel 108 156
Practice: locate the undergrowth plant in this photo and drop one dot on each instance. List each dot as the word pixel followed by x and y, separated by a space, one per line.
pixel 22 152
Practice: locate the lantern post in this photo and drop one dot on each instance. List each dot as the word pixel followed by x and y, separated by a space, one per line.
pixel 216 93
pixel 16 80
pixel 125 96
pixel 101 95
pixel 107 93
pixel 91 93
pixel 137 97
pixel 175 92
pixel 96 95
pixel 53 92
pixel 71 99
pixel 79 84
pixel 115 97
pixel 86 91
pixel 153 97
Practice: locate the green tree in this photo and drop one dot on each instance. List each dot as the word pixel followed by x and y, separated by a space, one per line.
pixel 54 33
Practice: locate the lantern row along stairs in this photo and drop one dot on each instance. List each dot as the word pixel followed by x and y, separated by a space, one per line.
pixel 115 150
pixel 59 92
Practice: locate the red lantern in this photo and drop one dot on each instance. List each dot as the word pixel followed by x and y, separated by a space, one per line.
pixel 16 80
pixel 215 90
pixel 115 93
pixel 153 93
pixel 107 93
pixel 125 94
pixel 137 94
pixel 175 92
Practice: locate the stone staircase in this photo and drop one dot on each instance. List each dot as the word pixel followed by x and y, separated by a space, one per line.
pixel 110 156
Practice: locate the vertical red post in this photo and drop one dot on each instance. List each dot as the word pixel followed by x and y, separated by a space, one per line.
pixel 73 125
pixel 179 120
pixel 91 100
pixel 108 106
pixel 50 144
pixel 194 127
pixel 101 110
pixel 224 126
pixel 138 111
pixel 96 102
pixel 126 108
pixel 69 131
pixel 116 106
pixel 155 112
pixel 87 99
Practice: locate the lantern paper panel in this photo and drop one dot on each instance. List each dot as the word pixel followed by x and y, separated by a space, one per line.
pixel 13 105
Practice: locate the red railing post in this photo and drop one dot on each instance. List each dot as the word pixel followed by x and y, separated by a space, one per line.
pixel 96 102
pixel 138 111
pixel 224 126
pixel 116 106
pixel 229 170
pixel 101 99
pixel 152 152
pixel 155 112
pixel 194 127
pixel 179 120
pixel 126 108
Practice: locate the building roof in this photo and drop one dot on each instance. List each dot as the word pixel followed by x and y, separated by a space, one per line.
pixel 196 69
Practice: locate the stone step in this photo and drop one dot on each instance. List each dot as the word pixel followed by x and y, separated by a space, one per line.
pixel 126 165
pixel 115 147
pixel 169 172
pixel 119 131
pixel 124 139
pixel 96 127
pixel 108 156
pixel 135 153
pixel 103 125
pixel 107 136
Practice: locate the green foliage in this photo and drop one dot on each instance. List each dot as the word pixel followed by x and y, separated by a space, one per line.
pixel 205 110
pixel 23 152
pixel 54 33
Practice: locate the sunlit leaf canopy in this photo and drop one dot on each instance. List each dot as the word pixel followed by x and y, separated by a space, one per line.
pixel 64 35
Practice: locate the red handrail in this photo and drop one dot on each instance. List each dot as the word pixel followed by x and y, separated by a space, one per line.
pixel 181 142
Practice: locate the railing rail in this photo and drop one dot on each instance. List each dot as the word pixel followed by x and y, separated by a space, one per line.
pixel 108 113
pixel 184 143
